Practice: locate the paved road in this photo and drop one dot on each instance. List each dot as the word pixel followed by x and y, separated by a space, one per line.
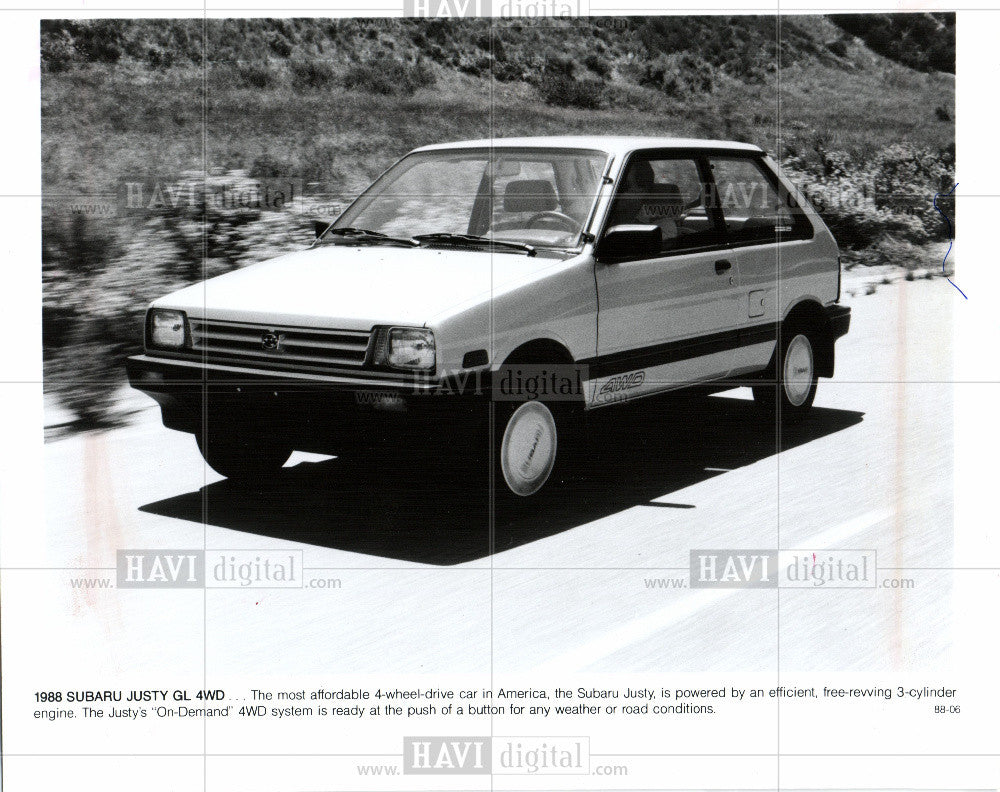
pixel 417 581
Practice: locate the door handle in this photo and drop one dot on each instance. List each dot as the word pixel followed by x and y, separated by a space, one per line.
pixel 722 265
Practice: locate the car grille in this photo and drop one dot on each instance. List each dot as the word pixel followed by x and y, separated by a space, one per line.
pixel 278 347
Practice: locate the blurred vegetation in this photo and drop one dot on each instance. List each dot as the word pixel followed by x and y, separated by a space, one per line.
pixel 866 130
pixel 920 41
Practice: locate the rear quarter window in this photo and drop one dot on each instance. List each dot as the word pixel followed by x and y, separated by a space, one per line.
pixel 755 207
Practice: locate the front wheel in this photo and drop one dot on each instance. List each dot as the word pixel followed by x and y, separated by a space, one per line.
pixel 527 443
pixel 241 455
pixel 534 446
pixel 793 390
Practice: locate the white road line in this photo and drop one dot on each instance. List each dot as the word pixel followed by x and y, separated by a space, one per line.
pixel 632 632
pixel 644 627
pixel 837 534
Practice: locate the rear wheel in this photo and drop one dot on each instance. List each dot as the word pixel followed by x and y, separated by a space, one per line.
pixel 241 455
pixel 794 387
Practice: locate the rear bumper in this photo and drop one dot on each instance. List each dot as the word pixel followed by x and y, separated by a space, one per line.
pixel 836 323
pixel 838 320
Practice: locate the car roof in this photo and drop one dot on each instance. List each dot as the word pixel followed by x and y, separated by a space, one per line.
pixel 607 143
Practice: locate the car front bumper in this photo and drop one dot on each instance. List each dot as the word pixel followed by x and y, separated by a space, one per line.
pixel 317 412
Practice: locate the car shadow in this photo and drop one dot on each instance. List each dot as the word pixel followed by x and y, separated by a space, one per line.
pixel 432 505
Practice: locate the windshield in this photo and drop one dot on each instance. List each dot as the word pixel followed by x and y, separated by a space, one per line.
pixel 533 196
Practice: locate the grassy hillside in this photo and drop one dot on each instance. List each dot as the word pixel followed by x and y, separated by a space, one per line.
pixel 921 41
pixel 318 96
pixel 333 102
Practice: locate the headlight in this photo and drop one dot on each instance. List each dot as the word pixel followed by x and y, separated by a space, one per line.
pixel 410 348
pixel 166 329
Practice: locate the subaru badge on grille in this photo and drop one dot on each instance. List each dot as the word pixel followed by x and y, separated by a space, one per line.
pixel 270 341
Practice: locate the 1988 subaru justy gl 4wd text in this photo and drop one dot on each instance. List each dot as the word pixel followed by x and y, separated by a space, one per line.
pixel 531 279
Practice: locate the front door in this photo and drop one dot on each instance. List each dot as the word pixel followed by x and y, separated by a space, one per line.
pixel 673 319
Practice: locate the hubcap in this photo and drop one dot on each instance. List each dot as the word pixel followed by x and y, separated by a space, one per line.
pixel 528 451
pixel 798 373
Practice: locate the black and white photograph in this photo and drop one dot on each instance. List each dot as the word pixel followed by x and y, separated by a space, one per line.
pixel 457 348
pixel 574 295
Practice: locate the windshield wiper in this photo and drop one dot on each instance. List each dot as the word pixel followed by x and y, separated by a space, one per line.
pixel 471 240
pixel 363 234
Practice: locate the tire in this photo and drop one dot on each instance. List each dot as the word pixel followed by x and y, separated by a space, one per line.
pixel 792 390
pixel 241 456
pixel 532 441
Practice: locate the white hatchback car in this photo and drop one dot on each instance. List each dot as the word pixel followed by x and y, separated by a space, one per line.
pixel 527 279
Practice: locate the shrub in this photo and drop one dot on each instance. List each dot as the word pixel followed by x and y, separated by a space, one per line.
pixel 847 209
pixel 75 249
pixel 82 375
pixel 906 178
pixel 900 253
pixel 476 65
pixel 255 74
pixel 920 41
pixel 100 40
pixel 208 224
pixel 559 66
pixel 838 48
pixel 279 44
pixel 563 91
pixel 741 47
pixel 598 65
pixel 437 53
pixel 311 74
pixel 438 30
pixel 836 163
pixel 80 350
pixel 676 75
pixel 508 71
pixel 160 57
pixel 268 166
pixel 905 227
pixel 78 244
pixel 57 51
pixel 388 75
pixel 892 193
pixel 314 163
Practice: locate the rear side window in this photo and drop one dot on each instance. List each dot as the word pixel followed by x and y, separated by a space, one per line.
pixel 755 207
pixel 668 192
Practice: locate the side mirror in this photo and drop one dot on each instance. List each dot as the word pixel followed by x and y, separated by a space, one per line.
pixel 629 241
pixel 319 226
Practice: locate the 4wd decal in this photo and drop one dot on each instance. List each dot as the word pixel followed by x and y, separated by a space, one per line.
pixel 624 382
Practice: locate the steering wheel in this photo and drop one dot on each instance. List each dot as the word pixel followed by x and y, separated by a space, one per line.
pixel 553 217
